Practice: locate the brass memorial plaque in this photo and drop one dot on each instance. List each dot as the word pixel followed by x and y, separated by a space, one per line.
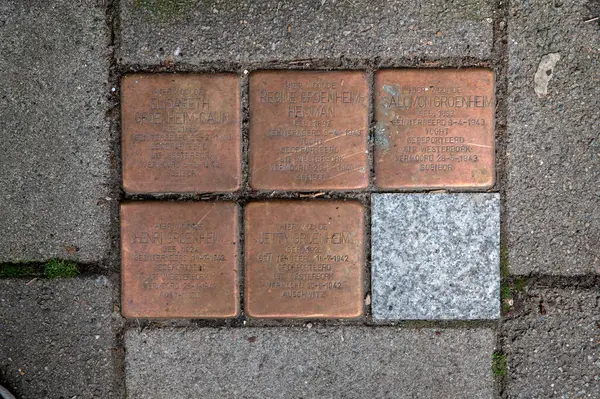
pixel 304 259
pixel 309 130
pixel 181 133
pixel 434 128
pixel 179 259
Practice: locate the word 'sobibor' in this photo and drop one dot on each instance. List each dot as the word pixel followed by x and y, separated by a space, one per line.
pixel 308 132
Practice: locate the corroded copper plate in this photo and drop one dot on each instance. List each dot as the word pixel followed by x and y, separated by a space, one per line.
pixel 179 259
pixel 181 133
pixel 434 128
pixel 304 259
pixel 308 130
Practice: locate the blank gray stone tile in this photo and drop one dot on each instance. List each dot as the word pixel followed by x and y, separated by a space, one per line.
pixel 435 256
pixel 334 362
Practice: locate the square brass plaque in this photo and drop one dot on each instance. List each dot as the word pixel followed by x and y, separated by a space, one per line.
pixel 434 128
pixel 308 130
pixel 179 259
pixel 304 259
pixel 181 133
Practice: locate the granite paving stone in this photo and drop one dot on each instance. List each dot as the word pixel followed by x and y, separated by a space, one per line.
pixel 264 31
pixel 55 169
pixel 553 154
pixel 336 362
pixel 57 339
pixel 435 256
pixel 552 344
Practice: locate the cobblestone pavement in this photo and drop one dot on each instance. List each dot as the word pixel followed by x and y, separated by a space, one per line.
pixel 450 292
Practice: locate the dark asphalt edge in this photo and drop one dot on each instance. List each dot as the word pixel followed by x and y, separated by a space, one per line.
pixel 500 59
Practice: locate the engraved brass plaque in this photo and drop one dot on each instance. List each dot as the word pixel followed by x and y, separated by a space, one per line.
pixel 304 259
pixel 179 260
pixel 308 130
pixel 434 128
pixel 181 133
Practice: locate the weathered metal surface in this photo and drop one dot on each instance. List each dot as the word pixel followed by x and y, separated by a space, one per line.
pixel 434 128
pixel 304 259
pixel 181 133
pixel 179 259
pixel 309 130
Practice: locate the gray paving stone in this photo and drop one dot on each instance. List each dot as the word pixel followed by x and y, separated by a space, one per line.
pixel 264 31
pixel 553 182
pixel 552 345
pixel 55 167
pixel 56 339
pixel 345 362
pixel 435 256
